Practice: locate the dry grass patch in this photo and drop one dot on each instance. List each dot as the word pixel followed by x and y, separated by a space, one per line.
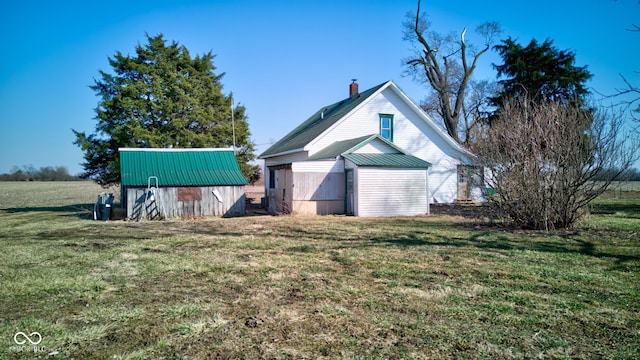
pixel 319 287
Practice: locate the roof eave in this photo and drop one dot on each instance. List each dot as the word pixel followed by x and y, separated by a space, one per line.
pixel 417 162
pixel 288 152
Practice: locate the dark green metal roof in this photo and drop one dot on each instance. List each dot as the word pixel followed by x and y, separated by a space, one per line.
pixel 338 148
pixel 401 161
pixel 318 123
pixel 180 167
pixel 348 148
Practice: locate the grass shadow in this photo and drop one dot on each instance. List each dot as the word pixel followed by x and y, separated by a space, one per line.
pixel 81 211
pixel 460 233
pixel 626 209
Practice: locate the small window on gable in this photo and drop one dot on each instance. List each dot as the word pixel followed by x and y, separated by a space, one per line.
pixel 386 126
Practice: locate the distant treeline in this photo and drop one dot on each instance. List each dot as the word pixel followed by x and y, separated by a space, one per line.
pixel 61 173
pixel 45 173
pixel 632 174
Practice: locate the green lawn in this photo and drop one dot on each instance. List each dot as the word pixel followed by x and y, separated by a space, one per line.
pixel 316 287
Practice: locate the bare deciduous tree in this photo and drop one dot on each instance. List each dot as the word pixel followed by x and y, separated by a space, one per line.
pixel 630 93
pixel 542 160
pixel 475 113
pixel 446 63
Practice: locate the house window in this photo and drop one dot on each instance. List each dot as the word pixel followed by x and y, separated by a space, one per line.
pixel 272 178
pixel 386 126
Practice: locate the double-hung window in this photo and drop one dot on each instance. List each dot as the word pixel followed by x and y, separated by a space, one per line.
pixel 386 126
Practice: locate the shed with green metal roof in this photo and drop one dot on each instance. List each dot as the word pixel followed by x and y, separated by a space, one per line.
pixel 181 183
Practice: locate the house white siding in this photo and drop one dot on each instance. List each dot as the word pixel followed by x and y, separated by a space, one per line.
pixel 376 147
pixel 321 187
pixel 443 184
pixel 364 121
pixel 410 132
pixel 318 166
pixel 391 192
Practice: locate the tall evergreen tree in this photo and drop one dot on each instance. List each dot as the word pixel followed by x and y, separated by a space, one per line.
pixel 161 98
pixel 540 71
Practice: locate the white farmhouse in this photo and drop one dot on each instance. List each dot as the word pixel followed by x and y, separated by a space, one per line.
pixel 375 153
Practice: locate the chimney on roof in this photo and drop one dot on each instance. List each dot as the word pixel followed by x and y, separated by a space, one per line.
pixel 353 88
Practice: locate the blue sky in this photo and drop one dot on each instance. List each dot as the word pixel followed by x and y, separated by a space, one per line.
pixel 283 59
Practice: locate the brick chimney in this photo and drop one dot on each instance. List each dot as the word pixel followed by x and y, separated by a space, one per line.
pixel 353 88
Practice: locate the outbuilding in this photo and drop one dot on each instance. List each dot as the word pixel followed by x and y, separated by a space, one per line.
pixel 181 183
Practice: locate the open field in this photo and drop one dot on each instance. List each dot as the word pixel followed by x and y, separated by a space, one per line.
pixel 17 194
pixel 434 286
pixel 625 186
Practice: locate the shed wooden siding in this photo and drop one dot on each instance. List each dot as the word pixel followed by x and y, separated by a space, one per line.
pixel 391 192
pixel 186 202
pixel 410 133
pixel 318 187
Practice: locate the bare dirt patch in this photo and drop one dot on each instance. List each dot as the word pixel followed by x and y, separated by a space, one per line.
pixel 254 193
pixel 474 212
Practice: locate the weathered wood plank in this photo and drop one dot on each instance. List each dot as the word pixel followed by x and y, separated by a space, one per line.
pixel 176 202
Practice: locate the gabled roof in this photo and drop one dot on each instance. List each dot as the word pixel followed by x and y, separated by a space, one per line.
pixel 327 116
pixel 318 123
pixel 348 149
pixel 180 167
pixel 336 149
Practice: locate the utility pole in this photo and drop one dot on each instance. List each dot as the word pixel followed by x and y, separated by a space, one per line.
pixel 233 126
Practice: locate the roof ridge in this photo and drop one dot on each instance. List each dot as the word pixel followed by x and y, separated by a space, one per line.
pixel 175 149
pixel 319 122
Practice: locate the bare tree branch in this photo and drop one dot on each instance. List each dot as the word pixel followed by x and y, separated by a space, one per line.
pixel 441 72
pixel 632 94
pixel 544 160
